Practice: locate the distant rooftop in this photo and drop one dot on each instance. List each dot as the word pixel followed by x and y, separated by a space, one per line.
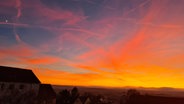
pixel 46 91
pixel 11 74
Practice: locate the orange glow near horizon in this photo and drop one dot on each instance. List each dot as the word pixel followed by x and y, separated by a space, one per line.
pixel 110 43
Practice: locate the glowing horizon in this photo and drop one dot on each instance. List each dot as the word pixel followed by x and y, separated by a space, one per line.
pixel 111 43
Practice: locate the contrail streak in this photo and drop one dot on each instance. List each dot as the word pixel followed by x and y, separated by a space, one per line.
pixel 19 13
pixel 18 6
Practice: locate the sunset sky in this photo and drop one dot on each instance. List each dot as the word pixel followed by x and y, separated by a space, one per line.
pixel 111 43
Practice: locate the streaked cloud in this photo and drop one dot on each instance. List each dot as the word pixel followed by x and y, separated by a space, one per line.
pixel 85 42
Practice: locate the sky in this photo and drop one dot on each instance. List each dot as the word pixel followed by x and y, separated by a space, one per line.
pixel 109 43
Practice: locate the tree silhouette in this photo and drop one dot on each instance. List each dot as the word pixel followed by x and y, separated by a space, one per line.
pixel 125 99
pixel 64 97
pixel 67 97
pixel 132 92
pixel 74 95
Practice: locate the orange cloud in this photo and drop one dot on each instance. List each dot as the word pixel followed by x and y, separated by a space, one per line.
pixel 17 51
pixel 113 79
pixel 42 60
pixel 65 78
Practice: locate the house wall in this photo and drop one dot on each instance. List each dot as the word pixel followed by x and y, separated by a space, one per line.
pixel 7 88
pixel 16 91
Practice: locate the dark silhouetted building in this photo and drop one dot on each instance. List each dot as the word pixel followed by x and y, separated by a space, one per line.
pixel 46 94
pixel 22 80
pixel 18 83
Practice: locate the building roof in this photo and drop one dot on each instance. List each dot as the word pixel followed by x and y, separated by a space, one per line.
pixel 46 91
pixel 11 74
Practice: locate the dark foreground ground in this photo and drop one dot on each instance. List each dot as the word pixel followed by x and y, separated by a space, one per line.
pixel 145 96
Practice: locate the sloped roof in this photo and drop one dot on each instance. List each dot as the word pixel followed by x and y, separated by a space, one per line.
pixel 11 74
pixel 46 91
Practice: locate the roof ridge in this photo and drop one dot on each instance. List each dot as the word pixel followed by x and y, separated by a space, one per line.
pixel 12 74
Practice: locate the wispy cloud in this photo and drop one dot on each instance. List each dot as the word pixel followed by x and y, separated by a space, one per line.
pixel 136 43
